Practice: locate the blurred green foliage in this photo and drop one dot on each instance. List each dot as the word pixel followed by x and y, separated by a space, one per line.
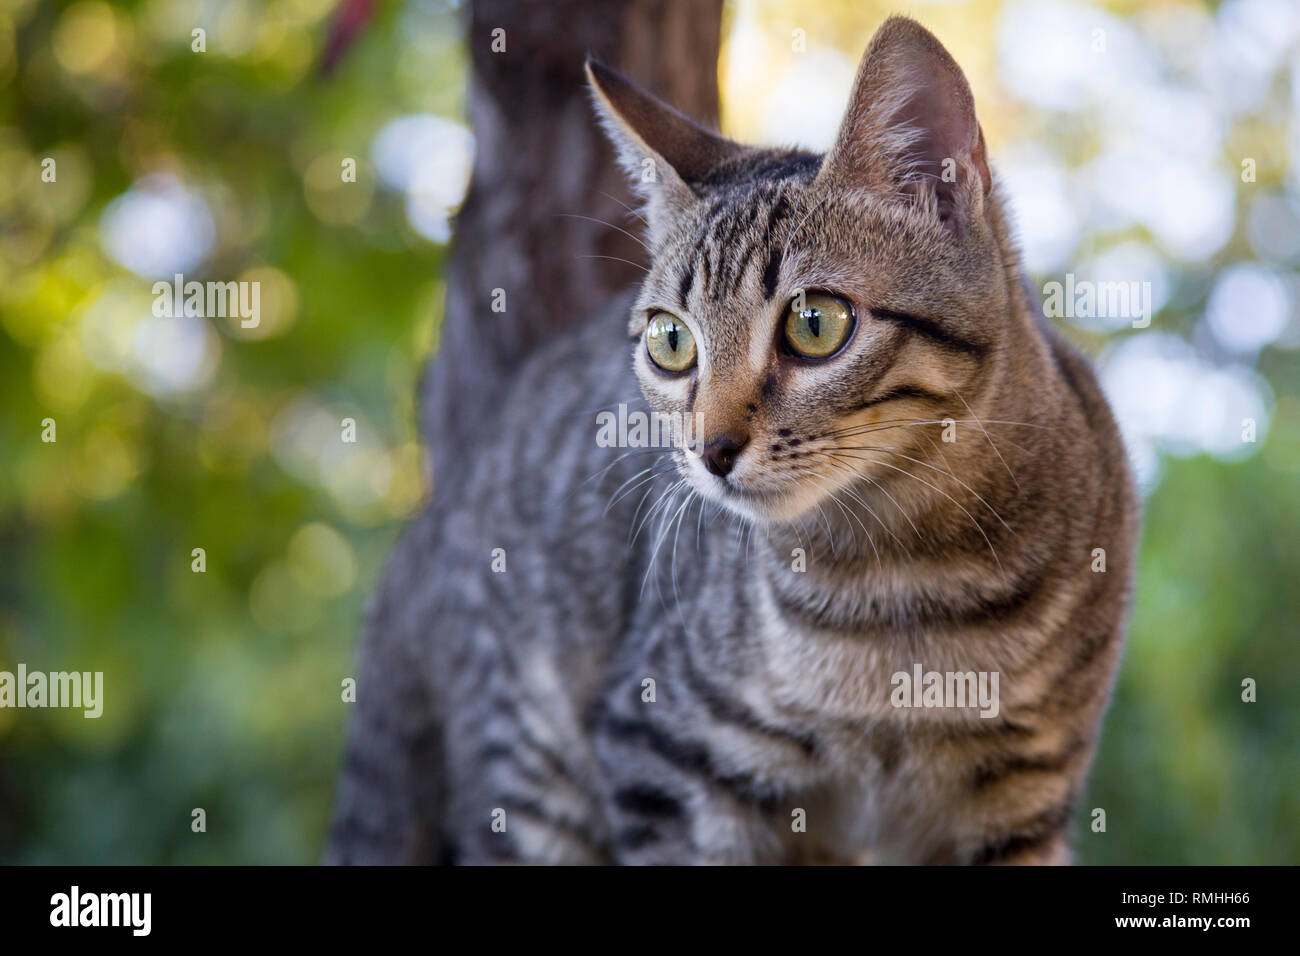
pixel 223 688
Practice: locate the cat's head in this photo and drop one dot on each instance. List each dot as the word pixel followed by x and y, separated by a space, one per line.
pixel 805 309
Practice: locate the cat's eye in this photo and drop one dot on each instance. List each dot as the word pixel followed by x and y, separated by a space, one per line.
pixel 669 343
pixel 817 325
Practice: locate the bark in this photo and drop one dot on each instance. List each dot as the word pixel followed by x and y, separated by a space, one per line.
pixel 540 160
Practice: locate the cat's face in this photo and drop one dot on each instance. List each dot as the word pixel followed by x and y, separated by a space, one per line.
pixel 810 317
pixel 788 323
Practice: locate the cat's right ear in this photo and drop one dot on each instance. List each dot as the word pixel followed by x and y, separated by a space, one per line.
pixel 667 155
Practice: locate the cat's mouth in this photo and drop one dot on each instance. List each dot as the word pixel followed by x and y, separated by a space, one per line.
pixel 764 503
pixel 755 496
pixel 771 506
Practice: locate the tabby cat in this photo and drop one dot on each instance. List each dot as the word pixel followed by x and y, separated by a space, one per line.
pixel 709 652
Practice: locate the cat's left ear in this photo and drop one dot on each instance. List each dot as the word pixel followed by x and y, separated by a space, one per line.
pixel 667 155
pixel 910 131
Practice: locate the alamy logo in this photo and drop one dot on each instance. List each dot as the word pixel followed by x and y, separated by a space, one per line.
pixel 639 429
pixel 103 909
pixel 55 689
pixel 958 689
pixel 1098 300
pixel 213 300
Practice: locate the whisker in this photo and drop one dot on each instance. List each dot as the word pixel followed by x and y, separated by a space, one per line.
pixel 699 519
pixel 664 534
pixel 636 239
pixel 909 422
pixel 636 532
pixel 627 454
pixel 934 446
pixel 661 504
pixel 847 513
pixel 617 259
pixel 616 497
pixel 899 508
pixel 830 538
pixel 990 440
pixel 677 598
pixel 630 209
pixel 870 511
pixel 848 428
pixel 978 526
pixel 924 464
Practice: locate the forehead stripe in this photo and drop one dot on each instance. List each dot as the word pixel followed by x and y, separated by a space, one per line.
pixel 773 268
pixel 684 284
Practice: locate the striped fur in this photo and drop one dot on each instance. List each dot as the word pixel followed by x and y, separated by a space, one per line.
pixel 772 686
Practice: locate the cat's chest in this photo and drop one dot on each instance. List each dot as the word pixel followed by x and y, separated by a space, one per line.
pixel 842 673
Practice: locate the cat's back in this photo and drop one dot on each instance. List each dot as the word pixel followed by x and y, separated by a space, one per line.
pixel 1093 463
pixel 542 461
pixel 533 538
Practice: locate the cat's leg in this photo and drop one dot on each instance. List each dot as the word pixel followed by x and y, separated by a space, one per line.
pixel 522 808
pixel 1016 785
pixel 995 799
pixel 1038 841
pixel 392 789
pixel 522 780
pixel 670 800
pixel 1020 839
pixel 389 801
pixel 1029 827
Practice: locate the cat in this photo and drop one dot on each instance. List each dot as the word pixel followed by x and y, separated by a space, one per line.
pixel 898 475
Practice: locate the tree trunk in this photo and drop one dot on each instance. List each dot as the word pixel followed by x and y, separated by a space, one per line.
pixel 540 161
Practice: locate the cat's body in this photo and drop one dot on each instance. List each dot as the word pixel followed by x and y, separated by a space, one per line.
pixel 846 541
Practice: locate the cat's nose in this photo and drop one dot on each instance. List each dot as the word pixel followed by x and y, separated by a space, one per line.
pixel 720 454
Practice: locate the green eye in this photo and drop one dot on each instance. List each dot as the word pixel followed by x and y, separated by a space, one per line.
pixel 670 343
pixel 820 327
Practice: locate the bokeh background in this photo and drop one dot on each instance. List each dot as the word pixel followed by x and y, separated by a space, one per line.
pixel 1121 131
